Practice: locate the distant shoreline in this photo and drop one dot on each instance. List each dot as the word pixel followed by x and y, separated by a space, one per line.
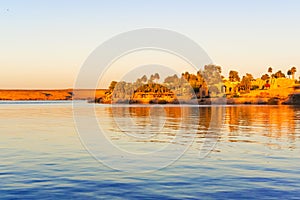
pixel 49 94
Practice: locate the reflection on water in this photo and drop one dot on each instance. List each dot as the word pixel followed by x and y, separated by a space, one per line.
pixel 268 125
pixel 129 126
pixel 257 154
pixel 273 126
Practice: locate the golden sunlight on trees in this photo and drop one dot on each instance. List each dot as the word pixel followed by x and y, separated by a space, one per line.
pixel 265 77
pixel 207 83
pixel 234 76
pixel 279 74
pixel 246 82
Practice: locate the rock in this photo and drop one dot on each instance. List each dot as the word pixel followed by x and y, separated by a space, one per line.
pixel 293 99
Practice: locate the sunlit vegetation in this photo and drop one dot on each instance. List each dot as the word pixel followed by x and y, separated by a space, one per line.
pixel 205 84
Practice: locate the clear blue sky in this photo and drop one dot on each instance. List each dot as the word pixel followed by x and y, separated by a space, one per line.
pixel 44 43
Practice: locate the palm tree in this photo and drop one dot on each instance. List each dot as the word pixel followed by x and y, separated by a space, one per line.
pixel 270 70
pixel 289 73
pixel 144 79
pixel 293 71
pixel 156 75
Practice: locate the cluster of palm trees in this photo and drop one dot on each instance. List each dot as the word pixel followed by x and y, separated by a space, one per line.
pixel 125 90
pixel 280 74
pixel 207 80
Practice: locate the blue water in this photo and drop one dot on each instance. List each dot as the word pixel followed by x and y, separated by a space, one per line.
pixel 256 155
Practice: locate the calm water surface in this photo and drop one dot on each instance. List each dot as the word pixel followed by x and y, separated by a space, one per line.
pixel 256 155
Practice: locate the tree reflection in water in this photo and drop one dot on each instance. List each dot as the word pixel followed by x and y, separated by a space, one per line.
pixel 272 126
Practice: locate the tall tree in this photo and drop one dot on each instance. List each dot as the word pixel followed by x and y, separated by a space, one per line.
pixel 210 77
pixel 246 82
pixel 156 76
pixel 144 79
pixel 289 73
pixel 234 76
pixel 293 71
pixel 270 70
pixel 151 79
pixel 213 68
pixel 211 74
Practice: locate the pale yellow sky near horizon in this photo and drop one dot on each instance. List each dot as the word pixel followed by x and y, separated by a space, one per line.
pixel 44 44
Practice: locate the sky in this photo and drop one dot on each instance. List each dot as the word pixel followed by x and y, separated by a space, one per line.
pixel 43 44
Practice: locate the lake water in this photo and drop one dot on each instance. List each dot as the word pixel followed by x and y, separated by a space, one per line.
pixel 187 152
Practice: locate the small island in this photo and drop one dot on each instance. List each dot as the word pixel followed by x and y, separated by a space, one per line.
pixel 207 86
